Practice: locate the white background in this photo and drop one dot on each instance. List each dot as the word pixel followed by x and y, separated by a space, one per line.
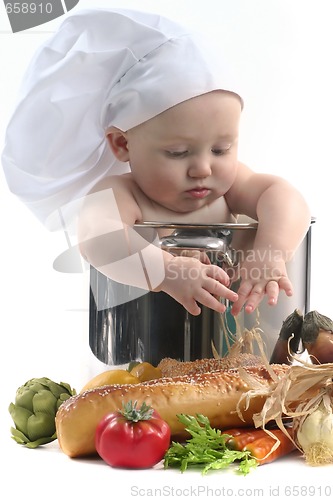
pixel 281 51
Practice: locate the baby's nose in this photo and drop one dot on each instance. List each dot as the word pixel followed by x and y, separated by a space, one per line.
pixel 200 167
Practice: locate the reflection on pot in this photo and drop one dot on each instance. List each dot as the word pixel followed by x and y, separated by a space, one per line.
pixel 126 323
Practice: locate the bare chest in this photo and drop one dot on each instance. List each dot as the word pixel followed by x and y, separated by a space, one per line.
pixel 214 213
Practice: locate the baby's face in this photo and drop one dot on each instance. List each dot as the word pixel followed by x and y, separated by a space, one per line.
pixel 186 157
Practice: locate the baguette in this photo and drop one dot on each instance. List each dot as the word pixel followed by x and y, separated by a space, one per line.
pixel 173 368
pixel 214 394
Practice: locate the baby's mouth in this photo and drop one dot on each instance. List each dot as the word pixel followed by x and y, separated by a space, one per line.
pixel 199 192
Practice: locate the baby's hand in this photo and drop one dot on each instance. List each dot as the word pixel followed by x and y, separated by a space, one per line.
pixel 259 279
pixel 190 282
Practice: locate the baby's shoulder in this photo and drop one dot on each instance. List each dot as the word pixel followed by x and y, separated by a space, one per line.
pixel 123 181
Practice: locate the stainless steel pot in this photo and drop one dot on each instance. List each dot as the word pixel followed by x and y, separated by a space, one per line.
pixel 126 323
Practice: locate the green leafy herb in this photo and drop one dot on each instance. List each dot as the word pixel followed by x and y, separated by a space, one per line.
pixel 206 449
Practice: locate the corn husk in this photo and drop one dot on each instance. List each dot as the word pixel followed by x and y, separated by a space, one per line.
pixel 291 398
pixel 242 340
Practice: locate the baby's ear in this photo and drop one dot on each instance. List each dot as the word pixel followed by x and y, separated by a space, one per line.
pixel 118 143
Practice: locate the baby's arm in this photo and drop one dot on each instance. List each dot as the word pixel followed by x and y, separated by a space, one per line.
pixel 108 242
pixel 283 220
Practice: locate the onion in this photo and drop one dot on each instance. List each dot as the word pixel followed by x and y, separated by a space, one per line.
pixel 314 432
pixel 289 338
pixel 317 337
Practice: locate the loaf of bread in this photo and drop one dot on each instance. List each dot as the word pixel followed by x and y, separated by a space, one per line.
pixel 214 394
pixel 173 368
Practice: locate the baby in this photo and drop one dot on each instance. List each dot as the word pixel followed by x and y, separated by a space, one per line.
pixel 116 88
pixel 184 168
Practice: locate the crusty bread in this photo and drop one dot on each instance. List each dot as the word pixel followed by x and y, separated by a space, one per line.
pixel 214 394
pixel 173 368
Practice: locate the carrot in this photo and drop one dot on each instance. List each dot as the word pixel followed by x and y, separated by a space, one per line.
pixel 243 436
pixel 261 448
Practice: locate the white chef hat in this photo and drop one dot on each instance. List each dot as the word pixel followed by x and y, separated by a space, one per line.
pixel 101 68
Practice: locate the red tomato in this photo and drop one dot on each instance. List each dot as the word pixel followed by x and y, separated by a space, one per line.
pixel 132 438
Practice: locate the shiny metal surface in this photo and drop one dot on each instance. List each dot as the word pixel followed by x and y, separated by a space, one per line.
pixel 214 242
pixel 179 225
pixel 150 326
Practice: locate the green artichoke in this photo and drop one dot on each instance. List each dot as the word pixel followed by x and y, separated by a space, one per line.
pixel 34 411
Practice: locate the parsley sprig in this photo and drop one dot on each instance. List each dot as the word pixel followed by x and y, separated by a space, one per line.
pixel 206 449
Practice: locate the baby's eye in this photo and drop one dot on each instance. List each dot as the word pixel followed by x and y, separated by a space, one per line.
pixel 176 154
pixel 220 151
